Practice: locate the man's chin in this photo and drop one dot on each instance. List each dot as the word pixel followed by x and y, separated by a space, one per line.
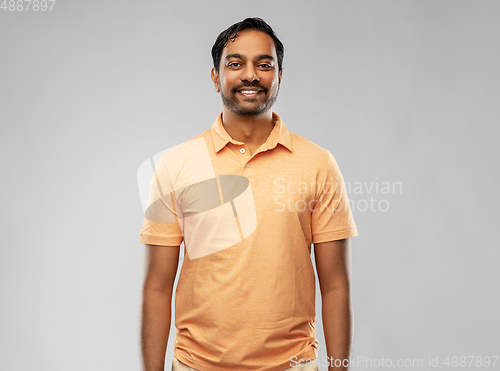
pixel 247 107
pixel 249 112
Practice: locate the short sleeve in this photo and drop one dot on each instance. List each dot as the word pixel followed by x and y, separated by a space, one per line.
pixel 161 224
pixel 331 217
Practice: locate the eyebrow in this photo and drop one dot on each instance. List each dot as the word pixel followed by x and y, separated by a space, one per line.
pixel 239 56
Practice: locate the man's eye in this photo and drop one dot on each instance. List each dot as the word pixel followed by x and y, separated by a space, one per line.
pixel 265 65
pixel 233 64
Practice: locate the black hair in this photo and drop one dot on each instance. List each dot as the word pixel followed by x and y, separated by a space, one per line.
pixel 246 24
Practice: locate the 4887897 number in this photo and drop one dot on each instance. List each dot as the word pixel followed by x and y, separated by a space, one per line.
pixel 470 361
pixel 26 5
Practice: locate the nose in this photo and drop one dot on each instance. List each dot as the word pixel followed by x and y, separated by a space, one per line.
pixel 249 73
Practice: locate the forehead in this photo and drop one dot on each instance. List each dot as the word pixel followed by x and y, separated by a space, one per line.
pixel 251 43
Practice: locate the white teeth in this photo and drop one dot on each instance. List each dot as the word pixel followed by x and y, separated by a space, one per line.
pixel 248 91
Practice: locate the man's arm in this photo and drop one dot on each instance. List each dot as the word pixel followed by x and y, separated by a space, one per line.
pixel 160 270
pixel 333 264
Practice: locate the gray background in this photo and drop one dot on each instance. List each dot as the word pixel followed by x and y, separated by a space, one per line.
pixel 398 91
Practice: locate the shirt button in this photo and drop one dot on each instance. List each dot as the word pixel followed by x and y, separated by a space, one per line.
pixel 247 164
pixel 242 150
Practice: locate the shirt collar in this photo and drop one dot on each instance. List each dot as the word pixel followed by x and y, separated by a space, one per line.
pixel 279 134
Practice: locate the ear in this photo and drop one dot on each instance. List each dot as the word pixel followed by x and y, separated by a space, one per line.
pixel 215 79
pixel 279 77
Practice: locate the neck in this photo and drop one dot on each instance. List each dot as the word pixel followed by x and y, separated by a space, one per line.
pixel 251 130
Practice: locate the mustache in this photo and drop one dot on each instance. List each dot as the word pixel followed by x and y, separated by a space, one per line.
pixel 248 85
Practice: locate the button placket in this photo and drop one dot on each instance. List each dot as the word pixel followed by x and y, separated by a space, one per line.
pixel 243 151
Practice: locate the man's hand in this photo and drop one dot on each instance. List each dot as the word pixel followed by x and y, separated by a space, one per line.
pixel 160 270
pixel 333 264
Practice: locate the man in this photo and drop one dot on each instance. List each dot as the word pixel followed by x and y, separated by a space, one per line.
pixel 247 197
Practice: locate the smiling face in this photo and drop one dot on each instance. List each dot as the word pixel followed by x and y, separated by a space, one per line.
pixel 248 78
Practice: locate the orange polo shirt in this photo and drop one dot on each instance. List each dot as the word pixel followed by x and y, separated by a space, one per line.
pixel 246 293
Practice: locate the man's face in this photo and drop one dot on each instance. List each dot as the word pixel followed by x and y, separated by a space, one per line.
pixel 248 78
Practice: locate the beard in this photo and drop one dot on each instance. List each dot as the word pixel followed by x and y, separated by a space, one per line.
pixel 254 109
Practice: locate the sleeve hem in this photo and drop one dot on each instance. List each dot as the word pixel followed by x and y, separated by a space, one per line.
pixel 164 241
pixel 335 235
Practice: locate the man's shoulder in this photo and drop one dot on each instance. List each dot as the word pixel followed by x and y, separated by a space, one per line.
pixel 185 150
pixel 305 147
pixel 188 162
